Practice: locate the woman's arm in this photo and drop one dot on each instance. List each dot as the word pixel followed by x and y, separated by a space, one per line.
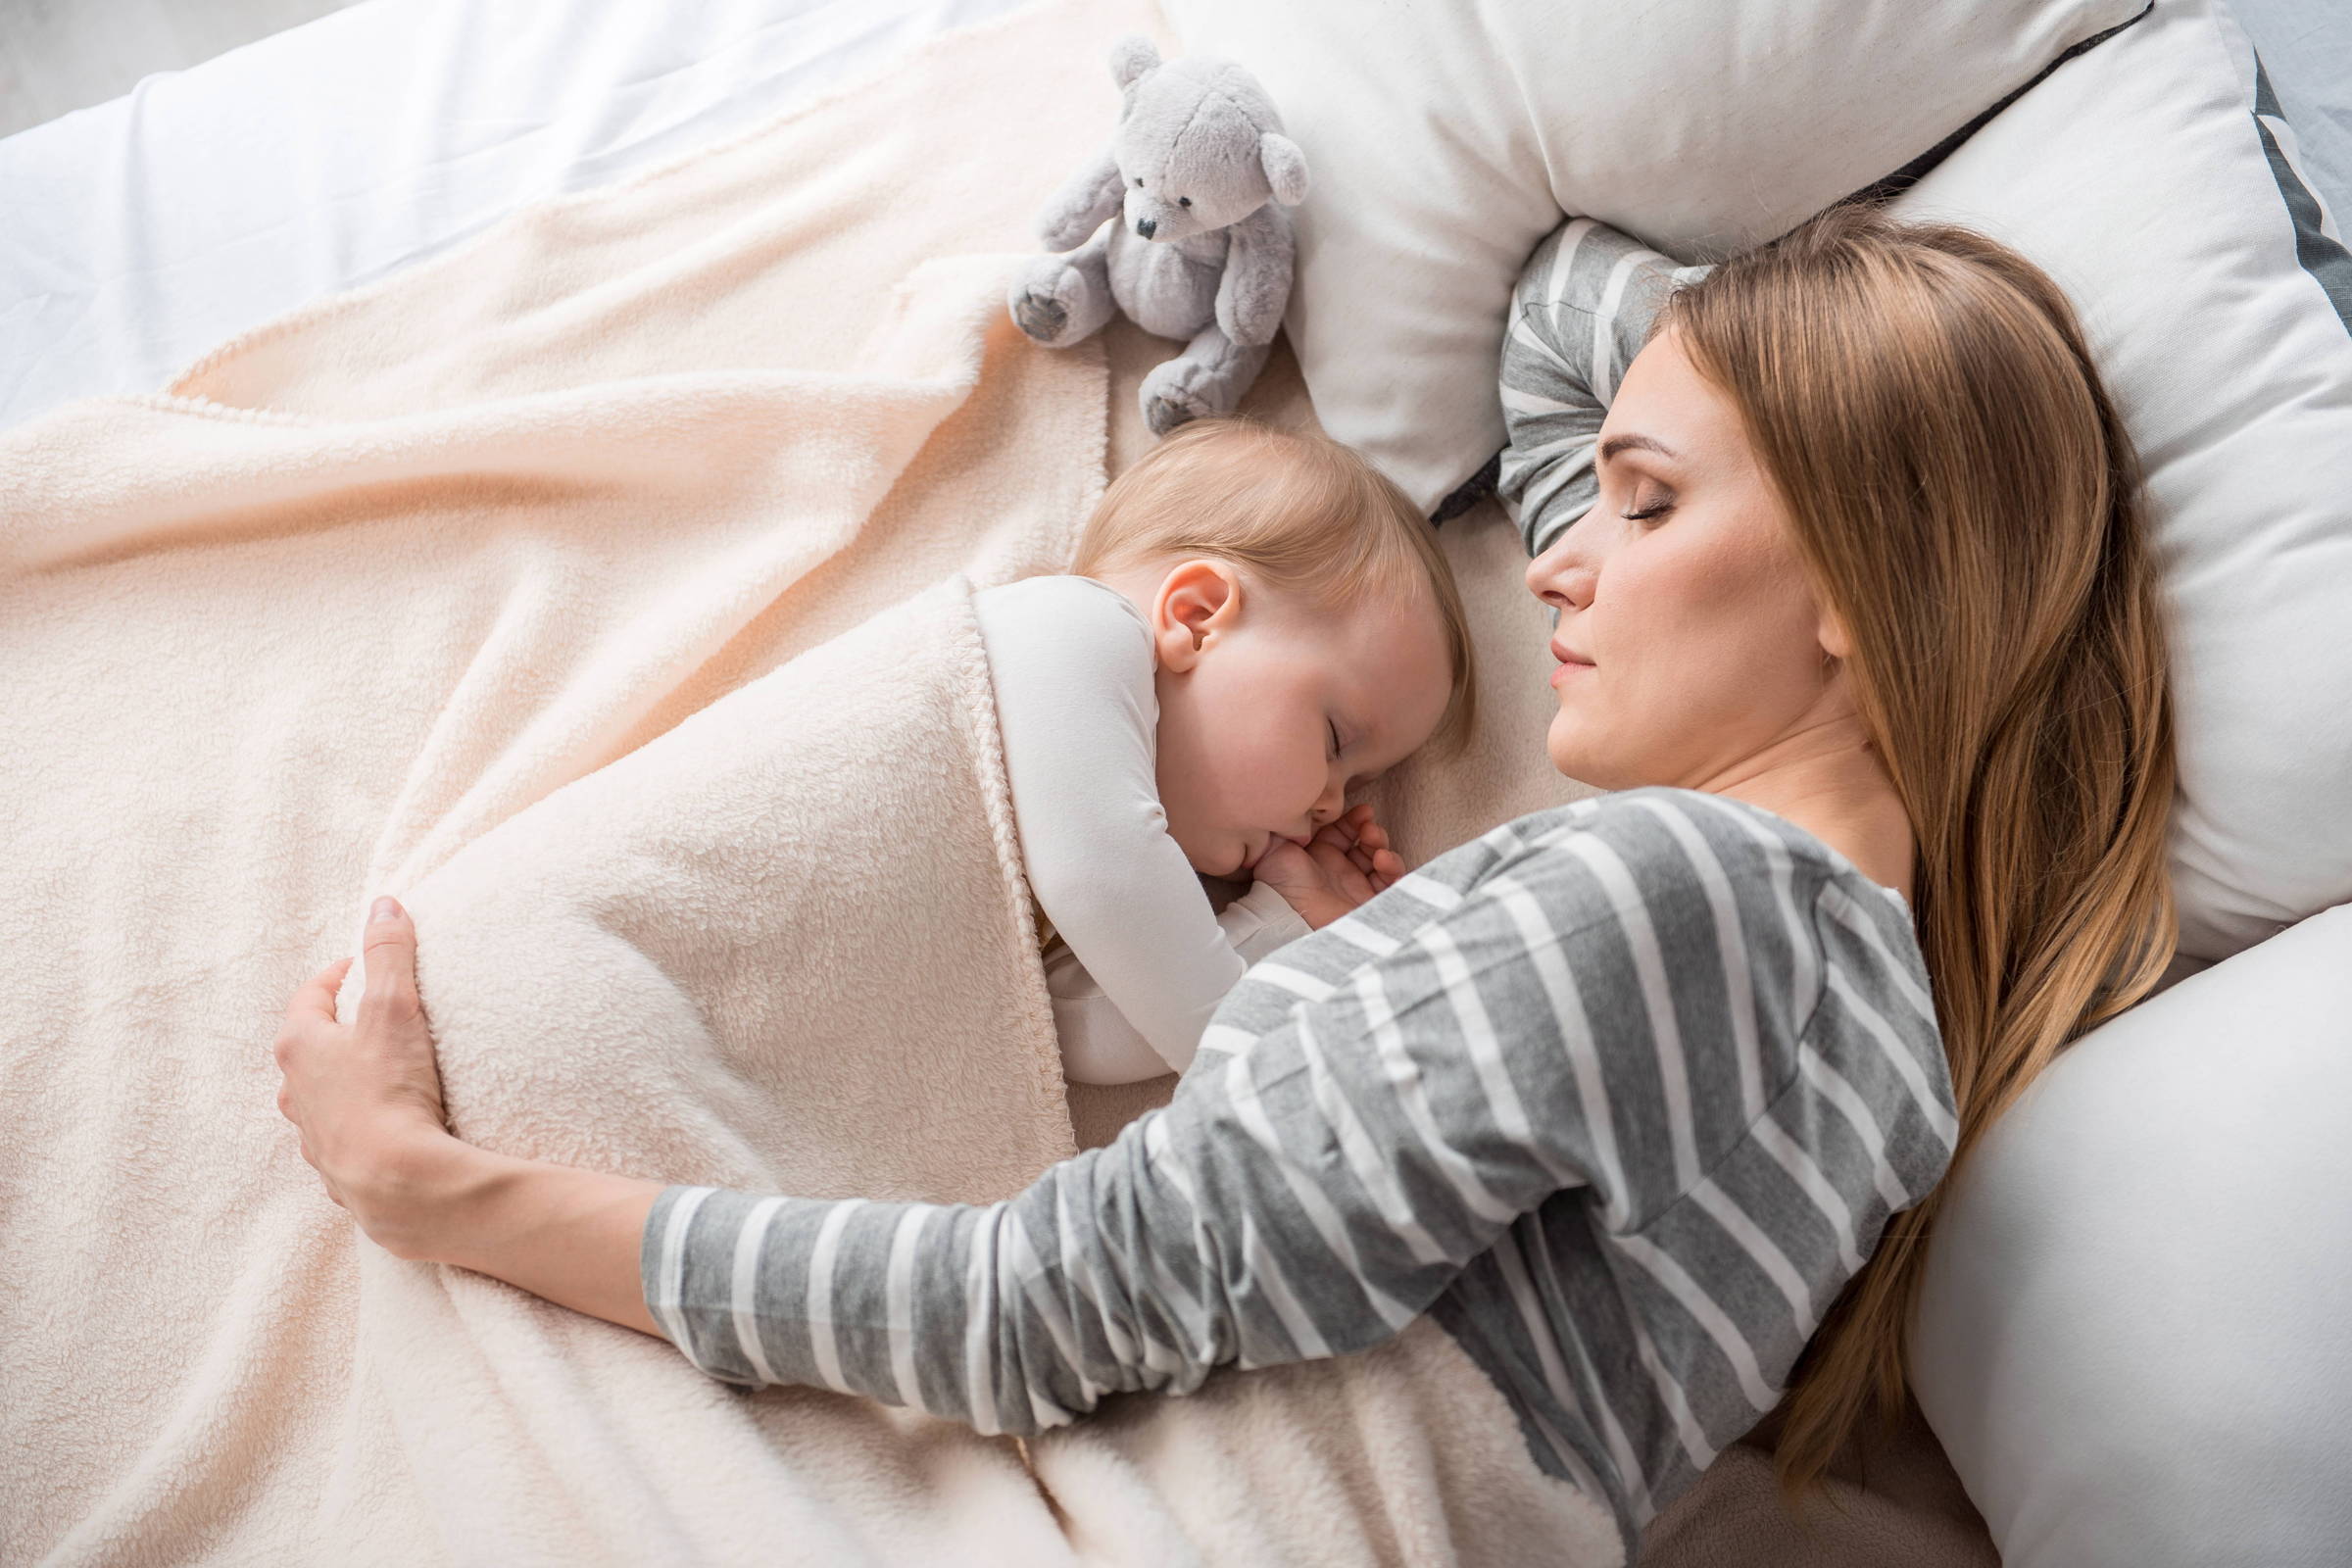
pixel 1318 1178
pixel 1579 314
pixel 1570 1001
pixel 365 1098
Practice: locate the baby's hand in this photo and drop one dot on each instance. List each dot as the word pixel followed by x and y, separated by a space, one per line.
pixel 1341 867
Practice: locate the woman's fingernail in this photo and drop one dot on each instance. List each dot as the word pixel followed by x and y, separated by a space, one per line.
pixel 385 908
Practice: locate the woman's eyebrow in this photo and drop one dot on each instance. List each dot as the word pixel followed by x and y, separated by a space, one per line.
pixel 1625 443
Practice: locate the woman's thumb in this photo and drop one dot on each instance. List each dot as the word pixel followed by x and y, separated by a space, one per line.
pixel 389 947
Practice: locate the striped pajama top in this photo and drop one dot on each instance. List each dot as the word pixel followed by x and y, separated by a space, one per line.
pixel 1579 314
pixel 1620 1094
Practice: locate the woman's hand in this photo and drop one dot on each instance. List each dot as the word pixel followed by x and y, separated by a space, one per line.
pixel 366 1095
pixel 1341 867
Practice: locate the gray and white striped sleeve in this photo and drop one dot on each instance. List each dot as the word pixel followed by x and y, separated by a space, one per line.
pixel 1579 314
pixel 1545 1011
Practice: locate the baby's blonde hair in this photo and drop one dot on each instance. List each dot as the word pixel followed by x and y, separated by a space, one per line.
pixel 1301 512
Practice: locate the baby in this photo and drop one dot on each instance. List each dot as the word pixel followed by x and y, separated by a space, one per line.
pixel 1255 624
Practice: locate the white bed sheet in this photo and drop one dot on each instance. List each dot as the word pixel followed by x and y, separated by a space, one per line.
pixel 141 233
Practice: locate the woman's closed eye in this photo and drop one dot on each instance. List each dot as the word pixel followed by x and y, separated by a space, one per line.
pixel 1657 505
pixel 1332 727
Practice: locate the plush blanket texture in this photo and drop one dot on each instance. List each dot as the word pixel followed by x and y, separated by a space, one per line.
pixel 601 588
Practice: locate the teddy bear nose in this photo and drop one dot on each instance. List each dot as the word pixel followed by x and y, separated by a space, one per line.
pixel 1145 226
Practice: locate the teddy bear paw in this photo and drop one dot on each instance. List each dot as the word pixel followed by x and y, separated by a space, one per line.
pixel 1041 315
pixel 1056 304
pixel 1177 393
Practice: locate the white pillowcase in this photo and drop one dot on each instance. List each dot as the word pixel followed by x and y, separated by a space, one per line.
pixel 2138 177
pixel 2133 1338
pixel 1444 140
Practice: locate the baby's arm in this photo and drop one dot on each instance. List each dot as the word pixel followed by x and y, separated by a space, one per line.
pixel 1099 1046
pixel 1073 670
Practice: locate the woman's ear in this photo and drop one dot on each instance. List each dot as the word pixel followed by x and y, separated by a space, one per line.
pixel 1197 601
pixel 1836 640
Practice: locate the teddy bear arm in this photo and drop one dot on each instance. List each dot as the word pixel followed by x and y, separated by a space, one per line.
pixel 1256 284
pixel 1081 206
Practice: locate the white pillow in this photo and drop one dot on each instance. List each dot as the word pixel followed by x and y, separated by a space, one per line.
pixel 2138 176
pixel 2132 1338
pixel 1444 140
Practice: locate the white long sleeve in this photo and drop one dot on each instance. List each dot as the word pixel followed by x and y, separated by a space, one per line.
pixel 1073 670
pixel 1099 1046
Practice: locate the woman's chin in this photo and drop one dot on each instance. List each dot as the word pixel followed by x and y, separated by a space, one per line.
pixel 1573 755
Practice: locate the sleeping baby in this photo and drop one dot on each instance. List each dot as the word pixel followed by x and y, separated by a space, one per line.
pixel 1255 624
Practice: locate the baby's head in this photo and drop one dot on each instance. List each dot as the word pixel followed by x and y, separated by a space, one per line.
pixel 1308 632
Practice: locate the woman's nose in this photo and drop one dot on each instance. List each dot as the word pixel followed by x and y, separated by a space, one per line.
pixel 1561 577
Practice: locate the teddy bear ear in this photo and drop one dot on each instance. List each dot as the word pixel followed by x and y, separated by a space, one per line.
pixel 1285 165
pixel 1131 57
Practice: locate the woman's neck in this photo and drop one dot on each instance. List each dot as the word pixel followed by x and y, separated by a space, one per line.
pixel 1843 797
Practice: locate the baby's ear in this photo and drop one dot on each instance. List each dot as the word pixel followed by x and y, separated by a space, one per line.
pixel 1197 601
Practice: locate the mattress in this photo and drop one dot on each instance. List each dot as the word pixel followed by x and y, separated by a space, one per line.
pixel 145 231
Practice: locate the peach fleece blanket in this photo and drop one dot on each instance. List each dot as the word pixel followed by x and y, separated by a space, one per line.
pixel 602 588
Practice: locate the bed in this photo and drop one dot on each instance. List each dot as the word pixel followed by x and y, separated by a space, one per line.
pixel 342 152
pixel 144 230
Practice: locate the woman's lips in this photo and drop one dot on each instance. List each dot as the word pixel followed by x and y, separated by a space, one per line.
pixel 1568 661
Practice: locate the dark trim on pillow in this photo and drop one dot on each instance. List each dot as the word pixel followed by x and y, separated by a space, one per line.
pixel 1912 173
pixel 1470 492
pixel 2324 259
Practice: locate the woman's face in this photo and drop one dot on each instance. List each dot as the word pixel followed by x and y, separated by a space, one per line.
pixel 1692 645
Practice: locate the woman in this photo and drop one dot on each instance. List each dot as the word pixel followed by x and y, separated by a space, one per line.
pixel 1855 619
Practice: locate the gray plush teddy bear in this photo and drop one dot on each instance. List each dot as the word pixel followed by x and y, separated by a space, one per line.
pixel 1198 176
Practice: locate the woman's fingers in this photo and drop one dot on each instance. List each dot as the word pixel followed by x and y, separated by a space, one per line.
pixel 317 1000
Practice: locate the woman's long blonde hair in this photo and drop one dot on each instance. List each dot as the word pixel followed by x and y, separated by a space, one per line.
pixel 1970 505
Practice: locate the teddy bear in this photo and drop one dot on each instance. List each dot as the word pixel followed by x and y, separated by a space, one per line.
pixel 1198 176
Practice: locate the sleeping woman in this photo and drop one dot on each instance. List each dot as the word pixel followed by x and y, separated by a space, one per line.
pixel 1644 1098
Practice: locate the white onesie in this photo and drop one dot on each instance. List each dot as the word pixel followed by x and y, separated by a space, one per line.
pixel 1074 672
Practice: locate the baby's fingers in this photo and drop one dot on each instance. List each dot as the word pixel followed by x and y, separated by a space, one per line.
pixel 1342 872
pixel 1339 835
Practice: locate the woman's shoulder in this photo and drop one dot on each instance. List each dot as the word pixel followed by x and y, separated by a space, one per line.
pixel 1663 831
pixel 1691 870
